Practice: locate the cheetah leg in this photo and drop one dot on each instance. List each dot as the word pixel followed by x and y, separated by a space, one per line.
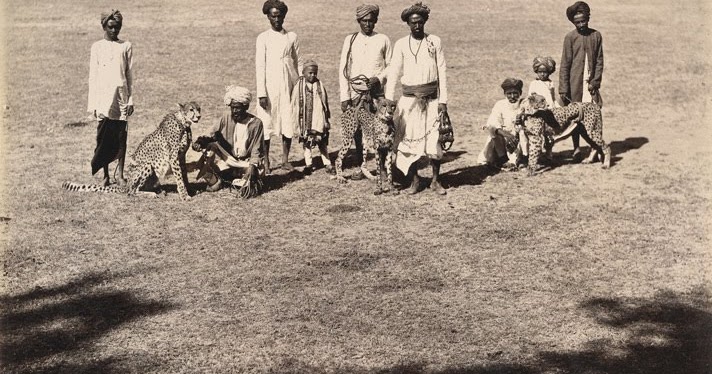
pixel 606 155
pixel 364 169
pixel 389 171
pixel 338 164
pixel 596 147
pixel 180 176
pixel 535 148
pixel 379 173
pixel 142 171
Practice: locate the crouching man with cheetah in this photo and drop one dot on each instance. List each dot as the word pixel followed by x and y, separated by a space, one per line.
pixel 235 147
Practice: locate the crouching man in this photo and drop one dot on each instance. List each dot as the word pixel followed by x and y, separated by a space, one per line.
pixel 234 149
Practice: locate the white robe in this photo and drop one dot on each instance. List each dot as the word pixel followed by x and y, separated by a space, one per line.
pixel 278 64
pixel 110 79
pixel 417 129
pixel 370 56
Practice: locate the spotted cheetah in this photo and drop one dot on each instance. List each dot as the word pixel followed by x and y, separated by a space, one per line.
pixel 162 149
pixel 378 133
pixel 584 118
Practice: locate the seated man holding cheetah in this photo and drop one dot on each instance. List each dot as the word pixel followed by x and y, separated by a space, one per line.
pixel 235 147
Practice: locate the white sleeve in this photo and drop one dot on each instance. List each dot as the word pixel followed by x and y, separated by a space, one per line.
pixel 344 93
pixel 394 70
pixel 260 66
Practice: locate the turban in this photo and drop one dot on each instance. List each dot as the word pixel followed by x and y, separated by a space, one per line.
pixel 578 7
pixel 510 84
pixel 308 63
pixel 237 94
pixel 114 14
pixel 365 9
pixel 546 62
pixel 417 8
pixel 269 4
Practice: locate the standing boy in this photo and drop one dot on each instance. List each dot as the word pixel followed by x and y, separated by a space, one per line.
pixel 110 95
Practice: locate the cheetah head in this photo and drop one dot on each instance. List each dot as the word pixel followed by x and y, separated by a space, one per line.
pixel 386 109
pixel 190 111
pixel 535 102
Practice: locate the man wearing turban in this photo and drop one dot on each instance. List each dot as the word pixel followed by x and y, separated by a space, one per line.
pixel 235 145
pixel 364 58
pixel 277 64
pixel 110 98
pixel 420 59
pixel 581 68
pixel 505 130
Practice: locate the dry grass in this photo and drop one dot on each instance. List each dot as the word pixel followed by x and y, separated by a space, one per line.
pixel 575 270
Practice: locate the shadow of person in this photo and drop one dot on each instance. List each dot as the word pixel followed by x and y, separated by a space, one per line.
pixel 276 181
pixel 619 147
pixel 452 156
pixel 467 176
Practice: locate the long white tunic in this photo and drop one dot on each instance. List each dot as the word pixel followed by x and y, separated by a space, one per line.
pixel 370 55
pixel 421 62
pixel 278 64
pixel 110 79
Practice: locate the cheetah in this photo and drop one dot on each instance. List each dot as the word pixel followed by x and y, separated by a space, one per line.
pixel 584 118
pixel 378 133
pixel 162 149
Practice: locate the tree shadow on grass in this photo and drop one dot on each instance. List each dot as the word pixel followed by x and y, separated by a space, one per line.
pixel 55 330
pixel 668 333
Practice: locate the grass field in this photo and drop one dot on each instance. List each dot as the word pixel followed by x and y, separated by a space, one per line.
pixel 575 270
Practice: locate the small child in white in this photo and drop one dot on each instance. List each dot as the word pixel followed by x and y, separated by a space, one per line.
pixel 310 115
pixel 544 67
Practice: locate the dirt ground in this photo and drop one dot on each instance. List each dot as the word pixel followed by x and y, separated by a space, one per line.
pixel 575 270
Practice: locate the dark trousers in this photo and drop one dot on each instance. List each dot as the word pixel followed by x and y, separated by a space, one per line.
pixel 111 137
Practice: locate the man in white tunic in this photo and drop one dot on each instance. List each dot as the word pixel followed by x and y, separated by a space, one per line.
pixel 110 95
pixel 364 56
pixel 278 64
pixel 420 57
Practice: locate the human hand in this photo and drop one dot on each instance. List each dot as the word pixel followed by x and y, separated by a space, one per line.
pixel 442 108
pixel 202 143
pixel 564 98
pixel 373 81
pixel 250 173
pixel 345 105
pixel 592 89
pixel 492 131
pixel 264 102
pixel 508 136
pixel 129 110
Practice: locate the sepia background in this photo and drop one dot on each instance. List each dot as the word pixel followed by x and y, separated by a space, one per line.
pixel 574 270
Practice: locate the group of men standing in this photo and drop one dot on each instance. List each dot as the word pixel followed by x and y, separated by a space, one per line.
pixel 367 56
